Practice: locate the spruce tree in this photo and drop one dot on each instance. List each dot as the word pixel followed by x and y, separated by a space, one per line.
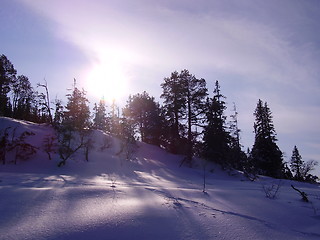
pixel 301 168
pixel 58 113
pixel 77 113
pixel 216 139
pixel 114 119
pixel 7 76
pixel 238 158
pixel 23 98
pixel 100 116
pixel 296 164
pixel 265 153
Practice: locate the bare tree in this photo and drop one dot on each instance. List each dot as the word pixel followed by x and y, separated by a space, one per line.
pixel 46 99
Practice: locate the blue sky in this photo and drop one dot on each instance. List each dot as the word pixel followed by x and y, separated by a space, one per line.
pixel 256 49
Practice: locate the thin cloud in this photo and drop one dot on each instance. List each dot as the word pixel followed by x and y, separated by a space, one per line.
pixel 259 49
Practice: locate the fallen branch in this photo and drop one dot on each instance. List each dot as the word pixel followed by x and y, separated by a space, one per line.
pixel 303 194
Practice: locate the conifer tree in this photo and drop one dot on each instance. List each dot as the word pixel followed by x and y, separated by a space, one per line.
pixel 100 116
pixel 301 168
pixel 296 164
pixel 7 76
pixel 265 153
pixel 145 116
pixel 196 92
pixel 23 98
pixel 234 129
pixel 184 100
pixel 114 119
pixel 238 158
pixel 174 90
pixel 216 138
pixel 77 113
pixel 58 113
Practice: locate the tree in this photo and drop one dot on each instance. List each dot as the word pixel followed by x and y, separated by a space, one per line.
pixel 238 158
pixel 174 90
pixel 7 76
pixel 145 116
pixel 307 167
pixel 77 114
pixel 100 116
pixel 216 138
pixel 296 163
pixel 45 101
pixel 265 153
pixel 234 129
pixel 301 168
pixel 114 119
pixel 58 114
pixel 23 98
pixel 184 100
pixel 196 91
pixel 74 131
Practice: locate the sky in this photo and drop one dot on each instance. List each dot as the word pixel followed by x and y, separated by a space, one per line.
pixel 256 49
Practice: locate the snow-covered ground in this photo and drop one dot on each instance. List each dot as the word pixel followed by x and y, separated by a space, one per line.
pixel 149 197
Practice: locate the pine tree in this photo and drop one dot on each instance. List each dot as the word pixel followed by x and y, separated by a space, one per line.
pixel 216 138
pixel 184 100
pixel 145 116
pixel 266 154
pixel 174 90
pixel 296 164
pixel 196 93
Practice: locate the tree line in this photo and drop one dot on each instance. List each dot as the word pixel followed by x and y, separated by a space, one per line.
pixel 190 122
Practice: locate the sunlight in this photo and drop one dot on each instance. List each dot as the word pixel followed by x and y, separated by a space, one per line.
pixel 107 79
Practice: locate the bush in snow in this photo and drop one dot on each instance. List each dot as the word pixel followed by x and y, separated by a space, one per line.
pixel 272 190
pixel 106 143
pixel 16 147
pixel 4 144
pixel 70 141
pixel 50 145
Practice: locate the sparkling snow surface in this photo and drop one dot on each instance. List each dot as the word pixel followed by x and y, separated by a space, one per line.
pixel 149 197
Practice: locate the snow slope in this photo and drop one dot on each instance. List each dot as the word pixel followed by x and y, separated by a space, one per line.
pixel 149 197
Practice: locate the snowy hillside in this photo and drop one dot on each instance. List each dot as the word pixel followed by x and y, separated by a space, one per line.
pixel 148 197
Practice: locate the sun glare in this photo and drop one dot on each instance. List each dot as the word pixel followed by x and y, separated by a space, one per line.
pixel 107 80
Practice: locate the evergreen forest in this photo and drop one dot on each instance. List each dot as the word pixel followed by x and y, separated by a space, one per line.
pixel 190 122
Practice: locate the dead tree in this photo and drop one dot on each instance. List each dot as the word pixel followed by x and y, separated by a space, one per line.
pixel 303 194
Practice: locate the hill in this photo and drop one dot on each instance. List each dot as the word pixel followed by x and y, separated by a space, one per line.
pixel 146 197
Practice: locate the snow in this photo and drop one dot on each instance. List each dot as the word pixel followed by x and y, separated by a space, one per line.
pixel 148 197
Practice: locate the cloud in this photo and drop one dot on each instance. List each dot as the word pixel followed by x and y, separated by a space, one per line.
pixel 259 49
pixel 171 36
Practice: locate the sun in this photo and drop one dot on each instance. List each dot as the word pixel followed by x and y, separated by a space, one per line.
pixel 107 80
